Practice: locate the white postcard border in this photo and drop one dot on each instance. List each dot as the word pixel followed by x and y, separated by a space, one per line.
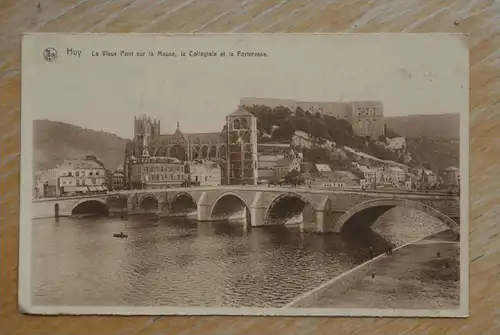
pixel 25 231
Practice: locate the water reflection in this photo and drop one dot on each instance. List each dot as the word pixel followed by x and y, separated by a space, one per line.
pixel 179 262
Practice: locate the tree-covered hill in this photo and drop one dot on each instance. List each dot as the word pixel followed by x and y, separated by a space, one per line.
pixel 55 141
pixel 428 148
pixel 279 124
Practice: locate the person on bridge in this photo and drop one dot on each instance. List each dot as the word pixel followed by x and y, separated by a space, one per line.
pixel 389 249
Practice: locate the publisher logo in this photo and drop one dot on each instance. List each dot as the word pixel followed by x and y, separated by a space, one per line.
pixel 50 54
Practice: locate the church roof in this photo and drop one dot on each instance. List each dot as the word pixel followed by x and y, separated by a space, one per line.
pixel 240 111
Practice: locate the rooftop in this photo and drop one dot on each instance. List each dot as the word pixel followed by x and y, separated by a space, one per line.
pixel 323 167
pixel 395 169
pixel 284 162
pixel 240 111
pixel 155 159
pixel 364 169
pixel 79 164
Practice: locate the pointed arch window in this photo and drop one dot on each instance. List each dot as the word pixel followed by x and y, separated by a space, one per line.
pixel 244 124
pixel 246 137
pixel 236 124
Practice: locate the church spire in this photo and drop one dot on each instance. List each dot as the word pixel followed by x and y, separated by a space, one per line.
pixel 177 125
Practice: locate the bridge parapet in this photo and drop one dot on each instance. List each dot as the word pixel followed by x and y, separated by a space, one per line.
pixel 329 205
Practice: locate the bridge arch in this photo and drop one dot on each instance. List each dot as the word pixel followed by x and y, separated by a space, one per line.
pixel 90 207
pixel 117 202
pixel 366 213
pixel 183 203
pixel 148 203
pixel 230 206
pixel 288 206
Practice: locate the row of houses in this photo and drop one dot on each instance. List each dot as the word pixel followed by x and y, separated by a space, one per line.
pixel 87 176
pixel 408 178
pixel 72 177
pixel 323 176
pixel 167 172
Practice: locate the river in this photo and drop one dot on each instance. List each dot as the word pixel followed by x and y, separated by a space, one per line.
pixel 178 262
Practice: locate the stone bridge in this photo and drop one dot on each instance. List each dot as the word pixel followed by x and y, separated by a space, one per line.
pixel 330 210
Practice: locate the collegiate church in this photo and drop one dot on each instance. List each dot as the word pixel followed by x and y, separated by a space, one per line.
pixel 149 141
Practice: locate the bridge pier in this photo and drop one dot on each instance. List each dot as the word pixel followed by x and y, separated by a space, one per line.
pixel 258 216
pixel 204 212
pixel 327 221
pixel 320 222
pixel 163 208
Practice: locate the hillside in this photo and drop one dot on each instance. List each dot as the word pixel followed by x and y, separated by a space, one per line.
pixel 436 127
pixel 426 146
pixel 55 141
pixel 435 155
pixel 279 124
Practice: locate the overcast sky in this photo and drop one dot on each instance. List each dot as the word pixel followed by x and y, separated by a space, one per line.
pixel 419 74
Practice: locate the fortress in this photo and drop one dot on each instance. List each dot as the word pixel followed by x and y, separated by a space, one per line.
pixel 365 117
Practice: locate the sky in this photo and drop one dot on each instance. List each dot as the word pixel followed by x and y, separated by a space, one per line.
pixel 410 74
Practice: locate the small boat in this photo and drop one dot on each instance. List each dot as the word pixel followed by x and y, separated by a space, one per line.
pixel 121 235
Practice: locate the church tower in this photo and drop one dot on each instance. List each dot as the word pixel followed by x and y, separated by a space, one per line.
pixel 242 148
pixel 142 135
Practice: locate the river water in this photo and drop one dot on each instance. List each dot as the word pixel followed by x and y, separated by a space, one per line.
pixel 177 262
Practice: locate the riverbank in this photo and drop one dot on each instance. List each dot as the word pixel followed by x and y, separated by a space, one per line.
pixel 413 277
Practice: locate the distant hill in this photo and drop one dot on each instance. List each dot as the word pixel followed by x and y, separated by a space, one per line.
pixel 55 141
pixel 435 127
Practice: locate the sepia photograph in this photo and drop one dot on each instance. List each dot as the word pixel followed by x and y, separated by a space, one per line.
pixel 245 174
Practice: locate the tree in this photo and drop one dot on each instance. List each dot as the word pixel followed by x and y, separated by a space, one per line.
pixel 281 112
pixel 294 178
pixel 300 112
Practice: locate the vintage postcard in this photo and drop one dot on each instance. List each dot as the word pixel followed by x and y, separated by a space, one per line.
pixel 245 174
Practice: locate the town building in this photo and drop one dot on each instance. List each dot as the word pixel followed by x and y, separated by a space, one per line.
pixel 118 181
pixel 203 173
pixel 302 139
pixel 394 175
pixel 307 167
pixel 266 164
pixel 370 175
pixel 149 172
pixel 431 178
pixel 242 148
pixel 413 181
pixel 46 184
pixel 77 176
pixel 285 166
pixel 269 154
pixel 452 176
pixel 334 179
pixel 308 178
pixel 322 170
pixel 346 175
